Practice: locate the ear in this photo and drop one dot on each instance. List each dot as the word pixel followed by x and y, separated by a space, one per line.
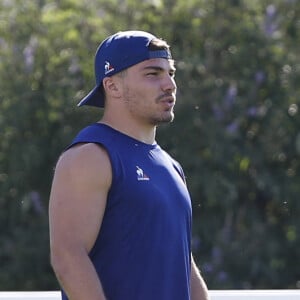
pixel 111 87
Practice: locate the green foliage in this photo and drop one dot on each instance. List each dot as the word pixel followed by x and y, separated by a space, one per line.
pixel 236 128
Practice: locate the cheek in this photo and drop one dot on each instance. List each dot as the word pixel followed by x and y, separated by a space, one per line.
pixel 142 95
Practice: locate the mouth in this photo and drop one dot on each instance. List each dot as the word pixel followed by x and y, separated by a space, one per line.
pixel 168 100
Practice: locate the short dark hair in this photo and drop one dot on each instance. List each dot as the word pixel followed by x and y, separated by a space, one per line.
pixel 158 44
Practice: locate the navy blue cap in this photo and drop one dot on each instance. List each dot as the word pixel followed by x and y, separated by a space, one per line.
pixel 117 53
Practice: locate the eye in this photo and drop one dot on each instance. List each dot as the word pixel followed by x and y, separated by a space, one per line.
pixel 152 74
pixel 172 74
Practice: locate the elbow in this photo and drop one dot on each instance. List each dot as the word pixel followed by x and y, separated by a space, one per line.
pixel 58 261
pixel 64 260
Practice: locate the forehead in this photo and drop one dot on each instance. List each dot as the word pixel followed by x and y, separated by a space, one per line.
pixel 163 63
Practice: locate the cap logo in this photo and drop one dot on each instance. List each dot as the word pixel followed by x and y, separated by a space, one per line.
pixel 108 68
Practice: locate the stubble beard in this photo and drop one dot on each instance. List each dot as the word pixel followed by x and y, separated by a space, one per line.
pixel 155 119
pixel 167 116
pixel 164 119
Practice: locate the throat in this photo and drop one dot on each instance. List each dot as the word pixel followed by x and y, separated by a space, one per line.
pixel 142 134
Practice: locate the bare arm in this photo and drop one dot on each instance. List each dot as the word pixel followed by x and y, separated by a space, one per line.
pixel 77 204
pixel 198 286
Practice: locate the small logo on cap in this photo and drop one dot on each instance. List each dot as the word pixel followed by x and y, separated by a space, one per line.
pixel 108 68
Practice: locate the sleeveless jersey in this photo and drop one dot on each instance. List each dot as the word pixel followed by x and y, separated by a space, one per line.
pixel 143 249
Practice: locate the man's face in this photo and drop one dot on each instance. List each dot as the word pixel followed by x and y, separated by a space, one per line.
pixel 149 91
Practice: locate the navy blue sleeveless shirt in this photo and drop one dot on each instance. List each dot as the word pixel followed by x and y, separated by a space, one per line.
pixel 143 249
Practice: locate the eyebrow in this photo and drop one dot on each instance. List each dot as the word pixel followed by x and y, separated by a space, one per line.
pixel 158 68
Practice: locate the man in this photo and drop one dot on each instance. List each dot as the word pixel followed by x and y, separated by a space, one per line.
pixel 120 212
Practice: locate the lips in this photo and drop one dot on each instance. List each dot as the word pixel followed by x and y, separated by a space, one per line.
pixel 167 98
pixel 169 102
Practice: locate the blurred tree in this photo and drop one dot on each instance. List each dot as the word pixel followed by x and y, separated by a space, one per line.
pixel 238 75
pixel 41 69
pixel 236 130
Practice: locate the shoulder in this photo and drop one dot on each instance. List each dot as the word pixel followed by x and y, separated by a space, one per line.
pixel 176 165
pixel 84 152
pixel 84 163
pixel 80 186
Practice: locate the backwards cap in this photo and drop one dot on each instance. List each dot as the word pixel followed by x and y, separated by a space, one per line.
pixel 119 52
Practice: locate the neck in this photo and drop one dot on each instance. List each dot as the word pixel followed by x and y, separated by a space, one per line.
pixel 143 133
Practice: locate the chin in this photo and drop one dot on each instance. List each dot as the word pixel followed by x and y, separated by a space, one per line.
pixel 165 119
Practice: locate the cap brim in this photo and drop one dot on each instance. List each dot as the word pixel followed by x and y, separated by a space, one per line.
pixel 94 98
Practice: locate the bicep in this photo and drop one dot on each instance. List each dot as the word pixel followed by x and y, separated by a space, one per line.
pixel 78 197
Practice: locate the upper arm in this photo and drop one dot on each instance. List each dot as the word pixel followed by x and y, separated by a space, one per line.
pixel 79 190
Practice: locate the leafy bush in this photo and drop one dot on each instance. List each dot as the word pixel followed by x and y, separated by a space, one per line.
pixel 236 128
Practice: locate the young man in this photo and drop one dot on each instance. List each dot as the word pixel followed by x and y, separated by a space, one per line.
pixel 120 211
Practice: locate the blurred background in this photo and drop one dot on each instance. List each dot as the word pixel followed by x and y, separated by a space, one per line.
pixel 236 130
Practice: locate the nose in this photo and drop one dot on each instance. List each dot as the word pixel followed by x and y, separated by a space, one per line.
pixel 169 83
